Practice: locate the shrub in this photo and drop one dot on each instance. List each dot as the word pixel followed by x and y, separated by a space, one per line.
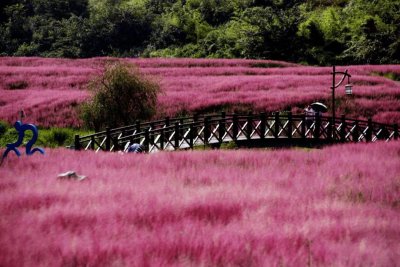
pixel 18 85
pixel 121 96
pixel 3 127
pixel 61 135
pixel 56 137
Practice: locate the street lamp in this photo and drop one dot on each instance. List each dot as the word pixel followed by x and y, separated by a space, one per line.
pixel 348 87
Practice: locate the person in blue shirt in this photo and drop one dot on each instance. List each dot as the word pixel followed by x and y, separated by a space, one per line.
pixel 135 148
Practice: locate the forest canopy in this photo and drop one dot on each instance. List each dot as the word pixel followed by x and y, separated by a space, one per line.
pixel 316 32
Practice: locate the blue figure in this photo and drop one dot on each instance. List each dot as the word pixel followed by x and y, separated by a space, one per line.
pixel 21 128
pixel 135 148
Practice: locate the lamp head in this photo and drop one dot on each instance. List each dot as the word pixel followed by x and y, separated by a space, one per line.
pixel 348 88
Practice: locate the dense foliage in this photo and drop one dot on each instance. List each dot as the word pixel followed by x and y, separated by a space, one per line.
pixel 314 32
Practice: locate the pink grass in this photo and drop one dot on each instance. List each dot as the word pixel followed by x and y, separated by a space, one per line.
pixel 195 85
pixel 333 207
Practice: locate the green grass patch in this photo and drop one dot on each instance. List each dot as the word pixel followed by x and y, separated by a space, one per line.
pixel 58 137
pixel 389 75
pixel 229 145
pixel 53 137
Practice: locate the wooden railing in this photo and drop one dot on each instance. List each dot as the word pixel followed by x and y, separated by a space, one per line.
pixel 250 130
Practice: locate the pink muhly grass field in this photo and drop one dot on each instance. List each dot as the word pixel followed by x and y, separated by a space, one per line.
pixel 333 207
pixel 50 90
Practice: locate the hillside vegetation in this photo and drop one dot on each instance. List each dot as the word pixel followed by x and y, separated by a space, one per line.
pixel 315 32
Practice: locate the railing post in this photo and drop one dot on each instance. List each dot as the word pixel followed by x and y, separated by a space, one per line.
pixel 162 138
pixel 77 144
pixel 146 142
pixel 223 114
pixel 221 127
pixel 181 128
pixel 368 134
pixel 355 133
pixel 303 126
pixel 277 122
pixel 263 124
pixel 206 130
pixel 92 141
pixel 290 125
pixel 137 131
pixel 329 134
pixel 166 125
pixel 115 143
pixel 137 126
pixel 191 133
pixel 317 129
pixel 221 130
pixel 343 129
pixel 235 126
pixel 176 137
pixel 396 131
pixel 108 139
pixel 249 127
pixel 152 126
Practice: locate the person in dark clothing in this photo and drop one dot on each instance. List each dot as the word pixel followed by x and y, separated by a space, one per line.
pixel 135 148
pixel 310 113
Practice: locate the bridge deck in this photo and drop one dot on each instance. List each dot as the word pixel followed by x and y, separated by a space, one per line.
pixel 244 130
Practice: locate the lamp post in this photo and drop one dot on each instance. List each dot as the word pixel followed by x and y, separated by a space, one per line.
pixel 348 87
pixel 21 115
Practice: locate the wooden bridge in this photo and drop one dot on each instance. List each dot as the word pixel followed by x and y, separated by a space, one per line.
pixel 250 130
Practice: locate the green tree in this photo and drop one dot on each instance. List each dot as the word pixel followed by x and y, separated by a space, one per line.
pixel 120 97
pixel 323 35
pixel 216 12
pixel 260 32
pixel 375 31
pixel 114 29
pixel 15 31
pixel 60 9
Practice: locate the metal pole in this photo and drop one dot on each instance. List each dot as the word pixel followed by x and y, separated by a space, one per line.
pixel 77 143
pixel 333 93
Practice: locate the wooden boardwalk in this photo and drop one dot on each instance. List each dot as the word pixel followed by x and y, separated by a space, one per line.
pixel 250 130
